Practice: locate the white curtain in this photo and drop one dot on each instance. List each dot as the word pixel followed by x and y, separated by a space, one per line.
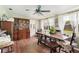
pixel 78 21
pixel 42 25
pixel 73 17
pixel 51 21
pixel 47 22
pixel 61 22
pixel 33 27
pixel 74 21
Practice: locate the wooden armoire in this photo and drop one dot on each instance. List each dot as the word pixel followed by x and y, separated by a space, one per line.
pixel 8 26
pixel 21 29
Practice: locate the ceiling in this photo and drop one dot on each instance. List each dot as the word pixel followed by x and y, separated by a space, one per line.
pixel 20 10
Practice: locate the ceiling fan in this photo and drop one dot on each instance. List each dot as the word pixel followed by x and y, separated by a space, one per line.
pixel 40 11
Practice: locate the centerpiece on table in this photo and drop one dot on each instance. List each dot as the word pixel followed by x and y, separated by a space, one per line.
pixel 52 30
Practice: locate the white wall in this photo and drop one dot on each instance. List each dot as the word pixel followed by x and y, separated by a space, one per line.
pixel 33 23
pixel 2 11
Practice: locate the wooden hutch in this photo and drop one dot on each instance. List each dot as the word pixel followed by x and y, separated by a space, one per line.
pixel 21 29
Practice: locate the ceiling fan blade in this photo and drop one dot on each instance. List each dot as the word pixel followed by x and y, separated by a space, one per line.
pixel 39 7
pixel 45 10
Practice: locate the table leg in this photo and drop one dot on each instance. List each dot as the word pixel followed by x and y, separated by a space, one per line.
pixel 51 50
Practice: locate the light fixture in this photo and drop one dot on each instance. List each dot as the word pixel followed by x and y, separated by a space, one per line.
pixel 10 9
pixel 4 17
pixel 26 9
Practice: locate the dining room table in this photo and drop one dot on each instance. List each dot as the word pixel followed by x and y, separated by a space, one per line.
pixel 59 38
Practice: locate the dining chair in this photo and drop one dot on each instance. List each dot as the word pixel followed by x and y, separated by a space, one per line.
pixel 39 36
pixel 68 46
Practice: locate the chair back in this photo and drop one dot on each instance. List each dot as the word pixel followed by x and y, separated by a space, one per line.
pixel 72 38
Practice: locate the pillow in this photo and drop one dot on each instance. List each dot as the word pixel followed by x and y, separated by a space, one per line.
pixel 2 32
pixel 6 38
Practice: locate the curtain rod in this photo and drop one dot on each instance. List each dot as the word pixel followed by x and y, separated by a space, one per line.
pixel 62 13
pixel 70 12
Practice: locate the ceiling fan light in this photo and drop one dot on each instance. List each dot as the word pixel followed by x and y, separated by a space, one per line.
pixel 26 9
pixel 10 9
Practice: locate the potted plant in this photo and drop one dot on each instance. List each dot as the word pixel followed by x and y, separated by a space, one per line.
pixel 52 30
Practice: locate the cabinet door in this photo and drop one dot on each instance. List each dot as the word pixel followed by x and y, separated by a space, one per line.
pixel 6 25
pixel 24 33
pixel 15 30
pixel 15 36
pixel 22 28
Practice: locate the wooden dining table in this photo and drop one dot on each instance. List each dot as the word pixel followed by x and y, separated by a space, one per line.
pixel 57 36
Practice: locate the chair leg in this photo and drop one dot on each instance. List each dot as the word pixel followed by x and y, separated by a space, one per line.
pixel 8 49
pixel 12 48
pixel 51 50
pixel 55 50
pixel 59 49
pixel 72 50
pixel 38 42
pixel 1 50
